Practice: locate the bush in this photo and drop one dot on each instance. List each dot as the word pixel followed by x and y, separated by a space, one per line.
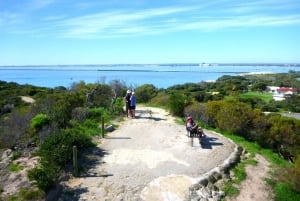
pixel 292 175
pixel 44 176
pixel 27 194
pixel 55 153
pixel 39 121
pixel 161 99
pixel 98 113
pixel 57 149
pixel 118 106
pixel 176 104
pixel 80 114
pixel 145 92
pixel 197 111
pixel 89 127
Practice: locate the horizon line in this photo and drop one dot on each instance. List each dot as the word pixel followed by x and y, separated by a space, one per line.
pixel 161 64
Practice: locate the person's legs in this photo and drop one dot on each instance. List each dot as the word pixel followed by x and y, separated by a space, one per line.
pixel 127 109
pixel 133 112
pixel 130 112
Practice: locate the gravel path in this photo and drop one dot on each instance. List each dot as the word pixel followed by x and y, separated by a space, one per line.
pixel 149 158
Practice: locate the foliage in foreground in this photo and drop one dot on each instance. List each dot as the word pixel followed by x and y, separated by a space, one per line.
pixel 56 153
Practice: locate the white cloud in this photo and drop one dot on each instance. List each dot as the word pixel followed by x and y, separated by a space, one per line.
pixel 207 16
pixel 116 24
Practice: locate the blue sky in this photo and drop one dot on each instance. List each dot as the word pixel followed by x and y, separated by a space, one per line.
pixel 50 32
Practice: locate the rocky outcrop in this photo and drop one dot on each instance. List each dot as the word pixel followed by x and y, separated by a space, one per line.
pixel 208 185
pixel 12 181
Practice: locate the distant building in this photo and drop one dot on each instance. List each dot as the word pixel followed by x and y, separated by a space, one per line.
pixel 279 93
pixel 286 91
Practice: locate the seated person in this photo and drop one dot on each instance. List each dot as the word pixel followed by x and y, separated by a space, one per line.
pixel 192 127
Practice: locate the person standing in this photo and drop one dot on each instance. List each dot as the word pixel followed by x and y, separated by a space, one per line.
pixel 132 105
pixel 127 101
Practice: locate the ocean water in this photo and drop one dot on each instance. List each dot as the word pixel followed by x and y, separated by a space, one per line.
pixel 161 76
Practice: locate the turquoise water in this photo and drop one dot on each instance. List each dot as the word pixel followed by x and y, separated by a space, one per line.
pixel 133 75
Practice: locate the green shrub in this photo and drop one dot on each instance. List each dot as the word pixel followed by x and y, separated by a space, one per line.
pixel 176 104
pixel 89 127
pixel 118 106
pixel 145 93
pixel 44 176
pixel 292 175
pixel 98 113
pixel 161 99
pixel 55 153
pixel 80 114
pixel 27 194
pixel 57 148
pixel 39 121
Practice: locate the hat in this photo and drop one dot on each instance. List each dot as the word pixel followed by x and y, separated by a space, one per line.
pixel 132 92
pixel 128 91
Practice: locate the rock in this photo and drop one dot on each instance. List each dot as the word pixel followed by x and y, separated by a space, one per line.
pixel 203 182
pixel 109 128
pixel 195 187
pixel 212 179
pixel 217 175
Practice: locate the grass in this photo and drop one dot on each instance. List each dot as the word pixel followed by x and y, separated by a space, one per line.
pixel 282 191
pixel 239 172
pixel 27 194
pixel 265 96
pixel 16 155
pixel 13 167
pixel 285 192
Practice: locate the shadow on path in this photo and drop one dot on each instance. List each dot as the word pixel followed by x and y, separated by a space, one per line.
pixel 206 142
pixel 88 162
pixel 209 142
pixel 140 114
pixel 91 159
pixel 118 138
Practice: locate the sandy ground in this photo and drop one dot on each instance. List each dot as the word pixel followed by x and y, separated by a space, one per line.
pixel 150 158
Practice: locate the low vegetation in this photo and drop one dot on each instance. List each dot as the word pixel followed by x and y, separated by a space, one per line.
pixel 61 118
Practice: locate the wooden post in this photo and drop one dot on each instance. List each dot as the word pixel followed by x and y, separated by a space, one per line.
pixel 102 127
pixel 75 162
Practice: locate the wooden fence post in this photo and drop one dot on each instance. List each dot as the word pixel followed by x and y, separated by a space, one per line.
pixel 75 162
pixel 102 127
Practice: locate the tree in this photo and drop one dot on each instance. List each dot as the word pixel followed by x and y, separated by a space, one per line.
pixel 259 85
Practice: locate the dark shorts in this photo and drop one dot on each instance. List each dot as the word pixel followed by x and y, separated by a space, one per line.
pixel 132 107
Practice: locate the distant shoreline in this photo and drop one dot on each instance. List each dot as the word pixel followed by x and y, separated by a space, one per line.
pixel 164 64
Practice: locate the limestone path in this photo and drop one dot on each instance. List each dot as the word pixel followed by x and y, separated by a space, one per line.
pixel 149 158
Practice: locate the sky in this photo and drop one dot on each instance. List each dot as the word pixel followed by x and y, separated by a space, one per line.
pixel 67 32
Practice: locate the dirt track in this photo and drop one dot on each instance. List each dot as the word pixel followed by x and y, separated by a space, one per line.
pixel 149 158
